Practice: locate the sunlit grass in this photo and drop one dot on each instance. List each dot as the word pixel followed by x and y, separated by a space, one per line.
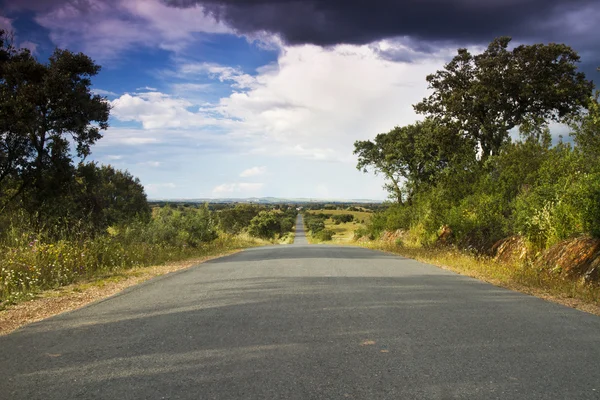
pixel 28 267
pixel 358 215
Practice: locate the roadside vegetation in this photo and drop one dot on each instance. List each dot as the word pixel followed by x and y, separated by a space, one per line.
pixel 63 219
pixel 338 226
pixel 482 186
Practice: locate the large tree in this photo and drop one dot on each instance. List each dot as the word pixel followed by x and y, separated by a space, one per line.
pixel 44 107
pixel 488 94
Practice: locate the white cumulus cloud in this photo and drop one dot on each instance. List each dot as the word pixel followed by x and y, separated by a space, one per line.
pixel 315 102
pixel 103 92
pixel 157 110
pixel 254 171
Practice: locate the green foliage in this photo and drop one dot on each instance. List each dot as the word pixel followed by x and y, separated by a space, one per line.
pixel 342 218
pixel 190 227
pixel 235 220
pixel 477 221
pixel 265 225
pixel 412 157
pixel 286 224
pixel 105 196
pixel 459 169
pixel 315 222
pixel 42 108
pixel 563 202
pixel 486 95
pixel 324 235
pixel 586 133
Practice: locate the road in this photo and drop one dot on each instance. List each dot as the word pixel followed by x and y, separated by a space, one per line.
pixel 308 322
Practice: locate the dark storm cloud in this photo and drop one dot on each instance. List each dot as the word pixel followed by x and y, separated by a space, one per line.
pixel 424 25
pixel 328 22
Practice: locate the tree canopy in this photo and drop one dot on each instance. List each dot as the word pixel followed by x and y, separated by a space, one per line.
pixel 412 156
pixel 43 108
pixel 486 95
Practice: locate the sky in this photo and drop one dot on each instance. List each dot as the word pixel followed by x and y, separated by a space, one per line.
pixel 233 98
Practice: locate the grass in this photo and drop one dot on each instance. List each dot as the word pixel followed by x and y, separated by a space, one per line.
pixel 29 268
pixel 288 238
pixel 358 215
pixel 520 276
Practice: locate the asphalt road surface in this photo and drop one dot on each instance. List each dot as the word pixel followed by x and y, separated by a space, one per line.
pixel 308 322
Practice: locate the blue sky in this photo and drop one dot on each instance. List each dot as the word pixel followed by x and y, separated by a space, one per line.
pixel 201 108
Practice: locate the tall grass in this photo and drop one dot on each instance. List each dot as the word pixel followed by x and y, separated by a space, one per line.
pixel 31 262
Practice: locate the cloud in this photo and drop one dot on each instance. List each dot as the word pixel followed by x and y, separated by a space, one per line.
pixel 153 164
pixel 243 187
pixel 254 171
pixel 138 140
pixel 106 29
pixel 314 102
pixel 102 92
pixel 330 22
pixel 238 79
pixel 31 46
pixel 114 157
pixel 157 110
pixel 6 24
pixel 117 137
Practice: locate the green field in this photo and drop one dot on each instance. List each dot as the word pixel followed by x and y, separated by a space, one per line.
pixel 344 232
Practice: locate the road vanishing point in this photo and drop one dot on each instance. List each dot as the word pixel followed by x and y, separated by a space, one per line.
pixel 308 322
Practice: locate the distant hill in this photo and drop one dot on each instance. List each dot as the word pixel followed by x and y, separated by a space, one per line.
pixel 270 200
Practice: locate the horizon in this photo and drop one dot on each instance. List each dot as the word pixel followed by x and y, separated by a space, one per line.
pixel 274 198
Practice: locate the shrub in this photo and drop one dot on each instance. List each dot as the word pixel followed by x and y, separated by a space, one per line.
pixel 234 220
pixel 265 225
pixel 324 235
pixel 342 218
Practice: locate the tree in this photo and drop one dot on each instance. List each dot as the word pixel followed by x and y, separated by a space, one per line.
pixel 586 132
pixel 42 108
pixel 106 196
pixel 413 156
pixel 488 94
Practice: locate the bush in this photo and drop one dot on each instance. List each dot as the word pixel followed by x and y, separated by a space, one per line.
pixel 234 220
pixel 324 235
pixel 342 218
pixel 477 222
pixel 172 227
pixel 286 224
pixel 265 225
pixel 315 222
